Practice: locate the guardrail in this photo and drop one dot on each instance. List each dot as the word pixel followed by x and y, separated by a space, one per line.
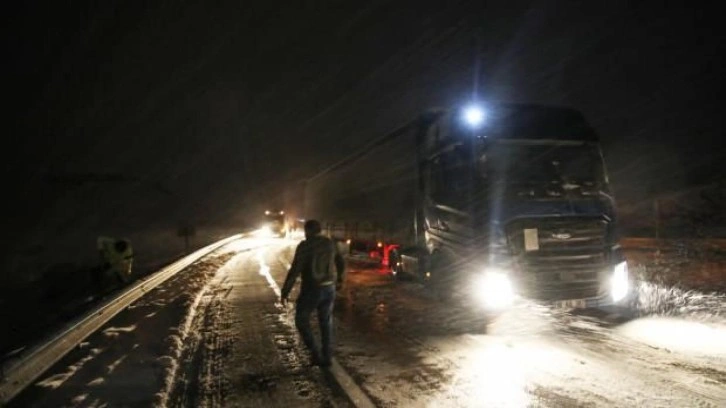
pixel 21 372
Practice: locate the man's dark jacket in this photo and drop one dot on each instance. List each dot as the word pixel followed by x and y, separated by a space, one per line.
pixel 319 263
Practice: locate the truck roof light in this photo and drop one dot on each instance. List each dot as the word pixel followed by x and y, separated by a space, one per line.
pixel 474 115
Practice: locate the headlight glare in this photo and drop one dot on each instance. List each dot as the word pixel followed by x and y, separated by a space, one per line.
pixel 619 282
pixel 264 232
pixel 493 289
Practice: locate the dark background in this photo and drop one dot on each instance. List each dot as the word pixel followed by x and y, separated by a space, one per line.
pixel 135 120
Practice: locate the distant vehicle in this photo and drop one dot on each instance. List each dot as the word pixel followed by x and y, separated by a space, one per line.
pixel 365 251
pixel 274 223
pixel 509 200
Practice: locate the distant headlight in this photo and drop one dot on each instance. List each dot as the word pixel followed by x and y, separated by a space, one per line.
pixel 493 289
pixel 619 282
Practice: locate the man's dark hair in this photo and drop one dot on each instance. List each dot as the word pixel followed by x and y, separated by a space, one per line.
pixel 312 228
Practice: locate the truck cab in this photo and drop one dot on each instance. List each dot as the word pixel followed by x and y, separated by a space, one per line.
pixel 504 201
pixel 274 223
pixel 519 202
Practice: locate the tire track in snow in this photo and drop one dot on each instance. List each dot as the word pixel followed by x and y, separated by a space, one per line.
pixel 185 383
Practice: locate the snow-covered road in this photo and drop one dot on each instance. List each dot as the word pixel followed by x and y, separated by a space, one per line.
pixel 214 336
pixel 419 352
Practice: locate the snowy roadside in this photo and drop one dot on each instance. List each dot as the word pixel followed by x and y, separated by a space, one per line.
pixel 213 335
pixel 127 362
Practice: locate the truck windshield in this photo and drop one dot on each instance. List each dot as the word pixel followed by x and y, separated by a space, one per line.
pixel 553 166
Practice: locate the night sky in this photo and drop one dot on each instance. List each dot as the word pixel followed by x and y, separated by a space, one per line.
pixel 132 116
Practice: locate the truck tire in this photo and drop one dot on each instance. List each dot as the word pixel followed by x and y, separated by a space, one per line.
pixel 437 282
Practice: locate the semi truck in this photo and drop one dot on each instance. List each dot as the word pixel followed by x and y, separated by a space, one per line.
pixel 496 202
pixel 274 223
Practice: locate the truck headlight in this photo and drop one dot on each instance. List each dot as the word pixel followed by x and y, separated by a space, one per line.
pixel 493 289
pixel 619 282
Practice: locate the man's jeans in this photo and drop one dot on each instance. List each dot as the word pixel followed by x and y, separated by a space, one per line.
pixel 321 299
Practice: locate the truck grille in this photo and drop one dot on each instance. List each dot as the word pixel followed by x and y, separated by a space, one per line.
pixel 566 260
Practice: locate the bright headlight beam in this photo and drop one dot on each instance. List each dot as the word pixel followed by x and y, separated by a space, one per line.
pixel 619 282
pixel 264 232
pixel 494 290
pixel 474 116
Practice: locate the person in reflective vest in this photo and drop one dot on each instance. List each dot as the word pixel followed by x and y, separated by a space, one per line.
pixel 117 258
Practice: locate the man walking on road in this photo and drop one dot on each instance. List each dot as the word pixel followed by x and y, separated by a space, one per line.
pixel 321 268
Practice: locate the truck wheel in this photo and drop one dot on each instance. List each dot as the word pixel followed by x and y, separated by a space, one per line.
pixel 436 280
